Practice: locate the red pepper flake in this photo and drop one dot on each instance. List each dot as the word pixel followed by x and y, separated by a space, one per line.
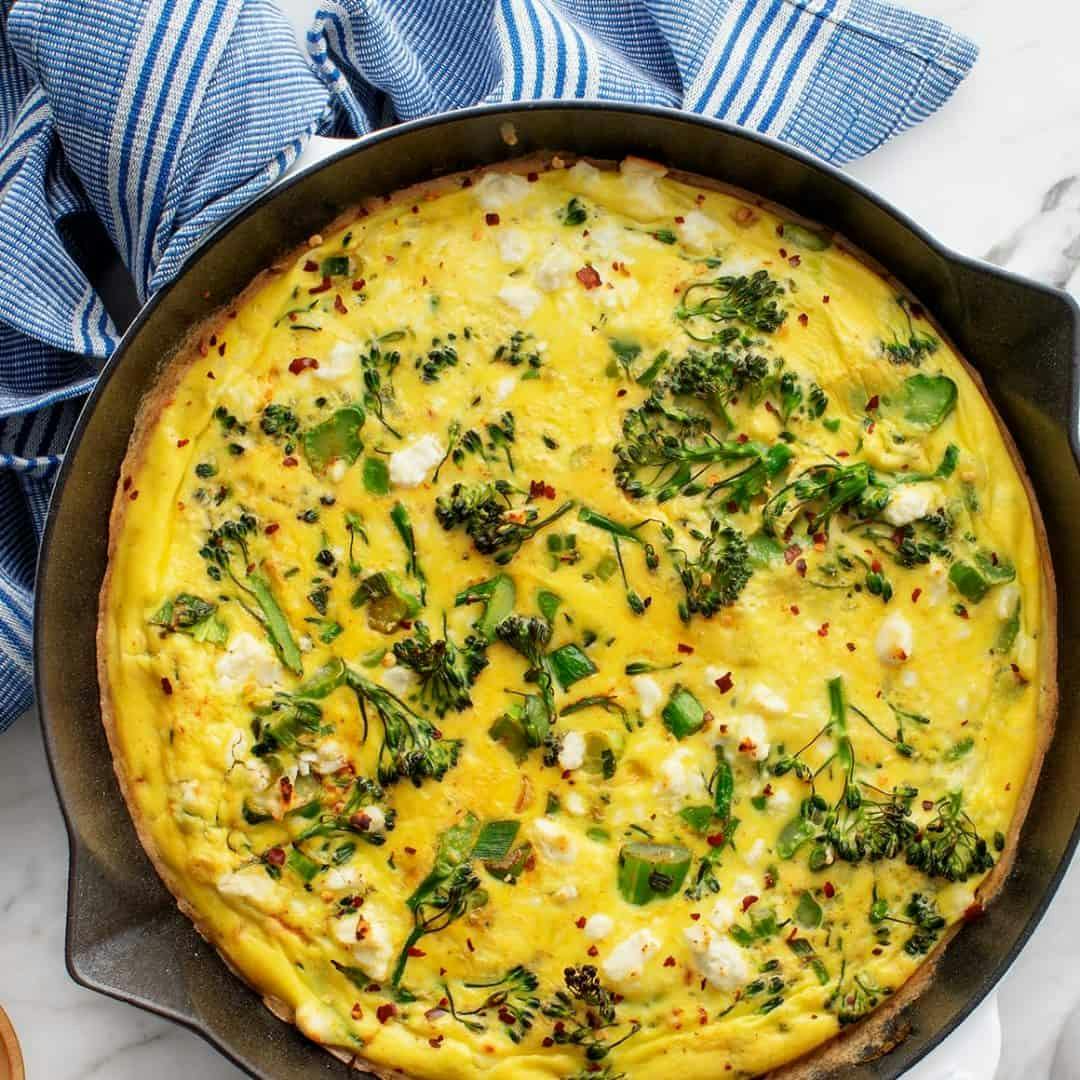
pixel 532 177
pixel 276 856
pixel 491 219
pixel 770 407
pixel 221 349
pixel 360 821
pixel 842 453
pixel 593 950
pixel 358 285
pixel 794 260
pixel 748 902
pixel 323 286
pixel 301 363
pixel 915 594
pixel 290 462
pixel 180 443
pixel 680 220
pixel 792 553
pixel 385 1011
pixel 357 1012
pixel 873 403
pixel 823 630
pixel 166 686
pixel 211 375
pixel 588 277
pixel 203 350
pixel 742 438
pixel 669 961
pixel 974 911
pixel 436 1041
pixel 415 209
pixel 414 951
pixel 339 305
pixel 127 482
pixel 466 182
pixel 877 951
pixel 794 609
pixel 783 251
pixel 472 947
pixel 686 650
pixel 134 495
pixel 829 889
pixel 875 565
pixel 271 528
pixel 961 611
pixel 621 392
pixel 286 789
pixel 311 266
pixel 715 839
pixel 695 915
pixel 580 923
pixel 825 298
pixel 800 567
pixel 725 682
pixel 548 1041
pixel 804 319
pixel 850 646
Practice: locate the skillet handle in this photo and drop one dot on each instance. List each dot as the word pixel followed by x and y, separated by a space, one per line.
pixel 971 1052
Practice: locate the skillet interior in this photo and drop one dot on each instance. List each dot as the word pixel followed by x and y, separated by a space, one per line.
pixel 125 936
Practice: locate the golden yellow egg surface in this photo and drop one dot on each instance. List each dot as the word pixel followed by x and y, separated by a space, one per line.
pixel 575 623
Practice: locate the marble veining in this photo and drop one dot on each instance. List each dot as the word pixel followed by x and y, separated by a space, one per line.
pixel 997 175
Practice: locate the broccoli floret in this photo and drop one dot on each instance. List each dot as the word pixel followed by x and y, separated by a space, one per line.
pixel 412 748
pixel 951 846
pixel 719 573
pixel 487 514
pixel 727 301
pixel 529 636
pixel 279 420
pixel 445 671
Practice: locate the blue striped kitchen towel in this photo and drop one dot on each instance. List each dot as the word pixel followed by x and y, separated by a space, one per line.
pixel 163 116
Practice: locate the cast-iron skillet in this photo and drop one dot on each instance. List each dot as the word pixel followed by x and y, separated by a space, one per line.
pixel 125 936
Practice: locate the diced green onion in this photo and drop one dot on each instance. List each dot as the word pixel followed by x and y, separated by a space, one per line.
pixel 495 840
pixel 648 871
pixel 683 714
pixel 570 665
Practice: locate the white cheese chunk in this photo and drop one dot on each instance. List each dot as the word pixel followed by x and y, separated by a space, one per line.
pixel 607 240
pixel 553 270
pixel 409 467
pixel 767 700
pixel 330 758
pixel 681 776
pixel 696 230
pixel 572 753
pixel 553 841
pixel 342 879
pixel 895 640
pixel 755 851
pixel 626 962
pixel 1008 597
pixel 504 388
pixel 368 938
pixel 342 362
pixel 250 883
pixel 248 660
pixel 575 804
pixel 513 245
pixel 398 679
pixel 523 298
pixel 909 502
pixel 564 894
pixel 649 694
pixel 640 178
pixel 598 926
pixel 723 914
pixel 716 957
pixel 584 173
pixel 495 190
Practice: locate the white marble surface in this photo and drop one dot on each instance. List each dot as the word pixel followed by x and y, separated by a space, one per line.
pixel 994 174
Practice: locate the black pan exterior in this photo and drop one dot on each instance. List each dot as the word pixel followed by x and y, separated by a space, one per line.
pixel 126 937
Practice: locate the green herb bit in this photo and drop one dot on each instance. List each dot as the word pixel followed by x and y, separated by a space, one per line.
pixel 497 594
pixel 683 714
pixel 570 664
pixel 644 667
pixel 608 702
pixel 449 892
pixel 445 672
pixel 377 368
pixel 335 266
pixel 487 514
pixel 403 524
pixel 574 212
pixel 188 614
pixel 910 345
pixel 951 846
pixel 529 637
pixel 354 526
pixel 412 748
pixel 808 913
pixel 376 476
pixel 852 1000
pixel 804 237
pixel 228 542
pixel 719 573
pixel 626 352
pixel 513 998
pixel 441 356
pixel 335 439
pixel 515 353
pixel 974 579
pixel 583 988
pixel 389 603
pixel 548 603
pixel 523 727
pixel 279 421
pixel 752 301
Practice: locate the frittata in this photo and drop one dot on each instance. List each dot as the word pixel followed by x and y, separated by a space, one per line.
pixel 574 621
